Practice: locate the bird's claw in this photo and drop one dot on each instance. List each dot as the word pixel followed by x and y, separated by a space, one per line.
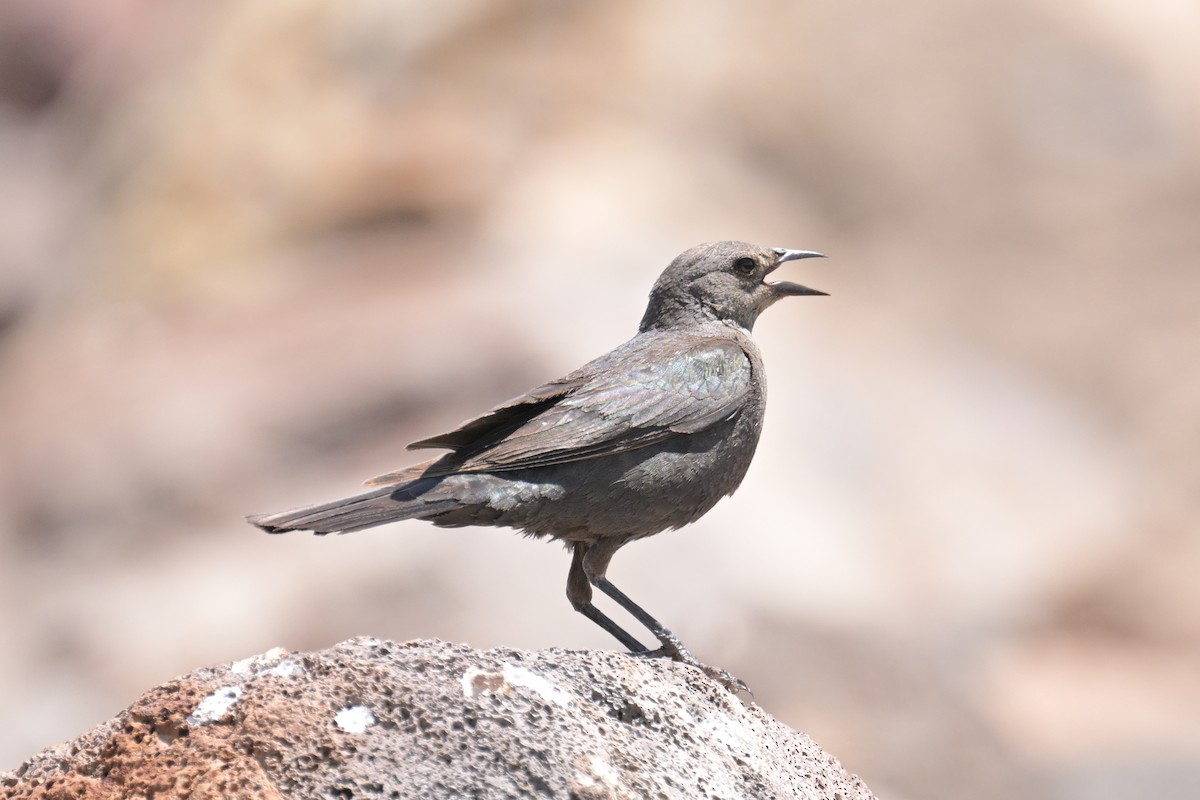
pixel 677 652
pixel 726 678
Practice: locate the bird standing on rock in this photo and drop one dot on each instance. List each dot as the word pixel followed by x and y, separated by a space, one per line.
pixel 645 438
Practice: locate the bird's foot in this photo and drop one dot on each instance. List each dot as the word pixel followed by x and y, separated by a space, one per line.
pixel 732 682
pixel 674 649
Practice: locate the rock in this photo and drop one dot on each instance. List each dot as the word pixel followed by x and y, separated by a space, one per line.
pixel 370 718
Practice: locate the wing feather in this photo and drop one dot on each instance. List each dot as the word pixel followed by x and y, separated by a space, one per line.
pixel 647 391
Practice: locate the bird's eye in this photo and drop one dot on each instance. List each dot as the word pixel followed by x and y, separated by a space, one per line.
pixel 744 266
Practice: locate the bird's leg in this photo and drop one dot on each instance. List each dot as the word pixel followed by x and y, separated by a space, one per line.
pixel 579 592
pixel 595 564
pixel 671 646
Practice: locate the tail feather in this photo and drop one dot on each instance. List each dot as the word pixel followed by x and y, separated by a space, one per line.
pixel 376 507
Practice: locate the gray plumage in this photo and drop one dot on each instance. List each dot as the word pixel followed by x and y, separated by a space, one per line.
pixel 645 438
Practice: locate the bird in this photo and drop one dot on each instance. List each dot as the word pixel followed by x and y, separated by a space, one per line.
pixel 643 439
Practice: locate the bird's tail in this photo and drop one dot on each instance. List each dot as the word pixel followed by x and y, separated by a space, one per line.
pixel 366 510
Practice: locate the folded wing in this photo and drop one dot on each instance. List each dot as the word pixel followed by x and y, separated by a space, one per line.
pixel 642 393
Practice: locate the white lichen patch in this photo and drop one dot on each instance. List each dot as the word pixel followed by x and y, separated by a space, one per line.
pixel 215 706
pixel 519 676
pixel 354 719
pixel 478 682
pixel 288 668
pixel 363 641
pixel 256 664
pixel 728 731
pixel 605 771
pixel 596 772
pixel 243 667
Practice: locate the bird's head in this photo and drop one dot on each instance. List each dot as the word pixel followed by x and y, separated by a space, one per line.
pixel 722 281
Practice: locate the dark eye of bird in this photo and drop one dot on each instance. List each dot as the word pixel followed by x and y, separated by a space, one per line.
pixel 744 266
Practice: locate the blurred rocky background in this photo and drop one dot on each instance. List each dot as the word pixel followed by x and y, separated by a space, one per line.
pixel 248 251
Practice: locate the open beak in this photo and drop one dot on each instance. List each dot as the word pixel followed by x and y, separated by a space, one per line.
pixel 787 287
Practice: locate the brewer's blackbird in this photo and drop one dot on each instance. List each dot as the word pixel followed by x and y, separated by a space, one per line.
pixel 645 438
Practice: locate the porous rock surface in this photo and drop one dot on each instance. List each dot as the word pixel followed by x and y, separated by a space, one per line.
pixel 425 719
